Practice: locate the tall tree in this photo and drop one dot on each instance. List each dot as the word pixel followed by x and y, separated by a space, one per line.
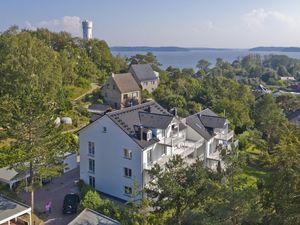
pixel 177 188
pixel 269 119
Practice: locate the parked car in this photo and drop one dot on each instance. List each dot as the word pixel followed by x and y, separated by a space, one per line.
pixel 71 202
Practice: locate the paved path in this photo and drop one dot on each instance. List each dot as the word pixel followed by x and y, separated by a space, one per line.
pixel 94 86
pixel 55 192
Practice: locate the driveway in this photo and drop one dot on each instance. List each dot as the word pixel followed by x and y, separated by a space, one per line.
pixel 55 192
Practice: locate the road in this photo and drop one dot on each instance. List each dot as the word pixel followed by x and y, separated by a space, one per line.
pixel 55 192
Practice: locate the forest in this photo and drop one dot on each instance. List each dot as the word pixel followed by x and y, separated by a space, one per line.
pixel 42 72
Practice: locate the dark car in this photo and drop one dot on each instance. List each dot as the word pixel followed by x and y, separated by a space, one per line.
pixel 71 202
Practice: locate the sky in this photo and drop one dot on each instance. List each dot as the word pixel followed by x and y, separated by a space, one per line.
pixel 185 23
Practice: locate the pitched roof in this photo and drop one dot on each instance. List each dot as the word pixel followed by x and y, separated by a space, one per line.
pixel 147 115
pixel 10 173
pixel 91 217
pixel 125 82
pixel 9 209
pixel 204 121
pixel 143 72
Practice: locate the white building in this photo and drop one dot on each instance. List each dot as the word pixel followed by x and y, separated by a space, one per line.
pixel 87 30
pixel 120 147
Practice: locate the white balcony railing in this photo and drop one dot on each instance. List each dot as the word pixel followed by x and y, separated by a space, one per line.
pixel 225 136
pixel 187 148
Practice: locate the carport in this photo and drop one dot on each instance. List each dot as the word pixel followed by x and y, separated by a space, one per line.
pixel 13 210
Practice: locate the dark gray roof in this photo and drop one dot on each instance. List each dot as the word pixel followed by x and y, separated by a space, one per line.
pixel 98 107
pixel 153 120
pixel 91 217
pixel 9 208
pixel 143 72
pixel 126 82
pixel 204 122
pixel 140 115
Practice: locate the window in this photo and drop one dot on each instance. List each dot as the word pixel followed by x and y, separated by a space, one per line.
pixel 105 94
pixel 92 181
pixel 127 172
pixel 104 130
pixel 145 83
pixel 91 148
pixel 107 86
pixel 125 96
pixel 149 157
pixel 127 153
pixel 135 94
pixel 92 165
pixel 116 105
pixel 127 190
pixel 114 87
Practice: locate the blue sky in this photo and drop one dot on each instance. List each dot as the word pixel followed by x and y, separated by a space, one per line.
pixel 188 23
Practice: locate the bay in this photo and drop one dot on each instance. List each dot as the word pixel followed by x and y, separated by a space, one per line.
pixel 189 59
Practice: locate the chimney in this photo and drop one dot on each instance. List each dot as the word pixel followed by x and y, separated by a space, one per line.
pixel 174 111
pixel 112 74
pixel 138 129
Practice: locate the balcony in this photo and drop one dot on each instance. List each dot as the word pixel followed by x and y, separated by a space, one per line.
pixel 225 136
pixel 188 147
pixel 174 139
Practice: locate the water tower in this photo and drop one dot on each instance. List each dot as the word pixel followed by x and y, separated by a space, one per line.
pixel 87 27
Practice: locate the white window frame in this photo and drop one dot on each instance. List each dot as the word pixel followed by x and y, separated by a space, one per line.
pixel 127 153
pixel 127 172
pixel 91 147
pixel 91 166
pixel 127 190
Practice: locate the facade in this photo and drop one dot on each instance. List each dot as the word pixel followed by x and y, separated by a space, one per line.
pixel 120 147
pixel 87 30
pixel 121 90
pixel 145 76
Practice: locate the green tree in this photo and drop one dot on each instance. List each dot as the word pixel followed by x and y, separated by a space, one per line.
pixel 91 200
pixel 203 64
pixel 176 188
pixel 269 119
pixel 281 195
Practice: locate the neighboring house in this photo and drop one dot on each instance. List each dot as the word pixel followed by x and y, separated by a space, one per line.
pixel 11 176
pixel 295 117
pixel 260 90
pixel 122 146
pixel 121 90
pixel 214 130
pixel 91 217
pixel 13 212
pixel 145 76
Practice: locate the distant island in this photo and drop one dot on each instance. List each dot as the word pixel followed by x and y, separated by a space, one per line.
pixel 275 49
pixel 162 49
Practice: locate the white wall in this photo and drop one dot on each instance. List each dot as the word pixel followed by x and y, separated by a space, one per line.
pixel 109 157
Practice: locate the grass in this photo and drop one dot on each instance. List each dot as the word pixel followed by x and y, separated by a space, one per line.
pixel 74 91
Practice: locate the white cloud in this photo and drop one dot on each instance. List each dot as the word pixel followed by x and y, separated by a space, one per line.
pixel 67 23
pixel 260 19
pixel 71 23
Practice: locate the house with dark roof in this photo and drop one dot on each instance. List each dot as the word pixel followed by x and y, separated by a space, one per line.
pixel 145 76
pixel 214 130
pixel 119 148
pixel 121 90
